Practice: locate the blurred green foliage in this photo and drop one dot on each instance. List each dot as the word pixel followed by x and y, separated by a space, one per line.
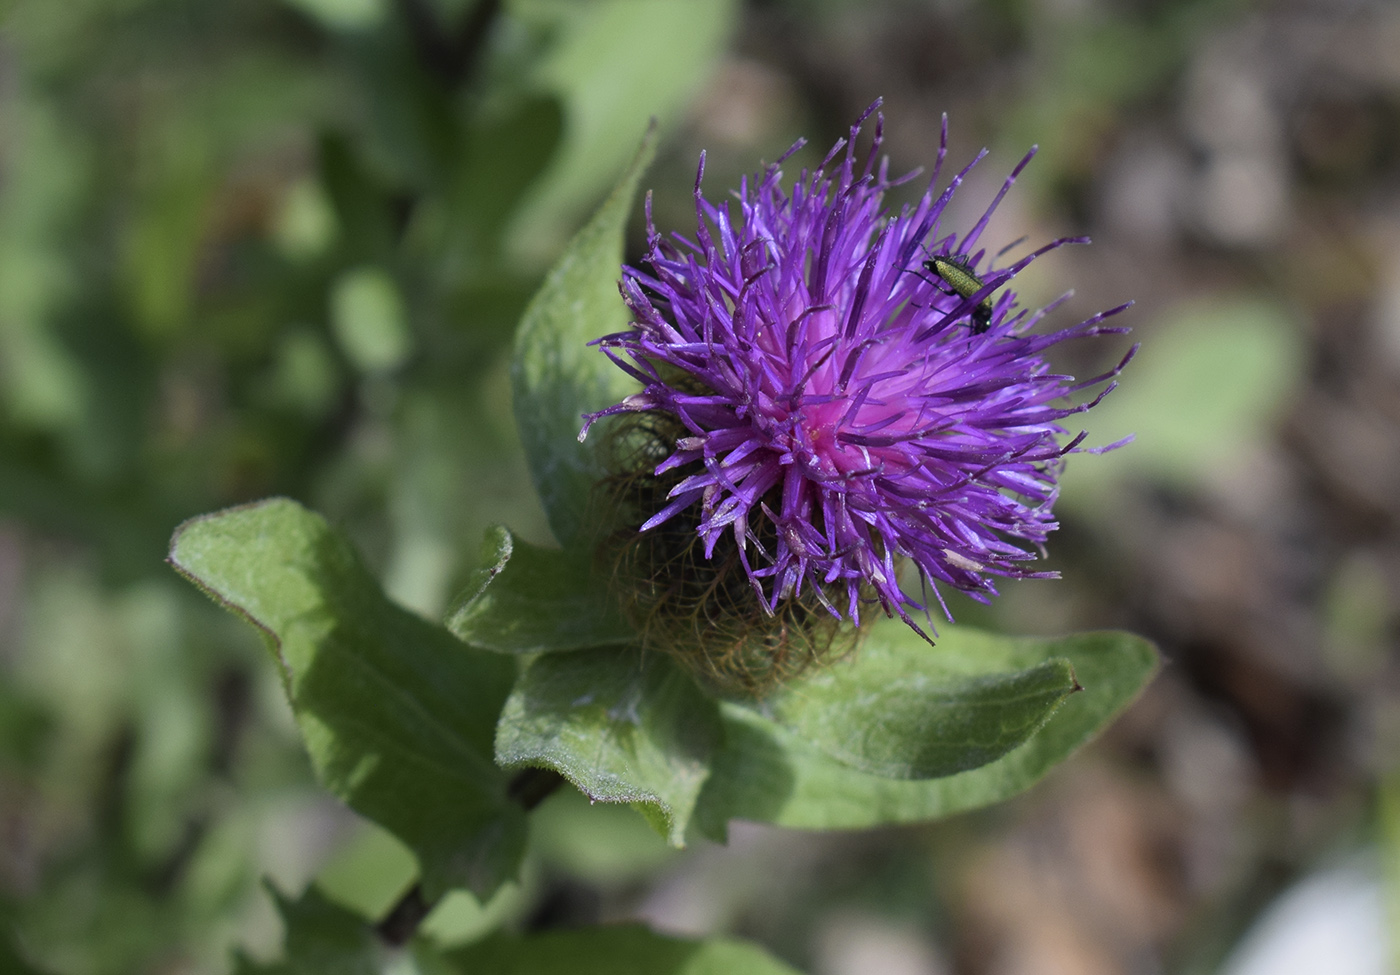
pixel 255 247
pixel 1201 396
pixel 278 246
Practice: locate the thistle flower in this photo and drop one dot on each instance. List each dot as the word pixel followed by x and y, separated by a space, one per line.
pixel 843 392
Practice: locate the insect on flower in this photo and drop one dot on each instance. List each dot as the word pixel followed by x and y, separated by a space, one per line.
pixel 965 283
pixel 813 414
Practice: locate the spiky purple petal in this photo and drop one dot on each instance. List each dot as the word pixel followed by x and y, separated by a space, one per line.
pixel 841 394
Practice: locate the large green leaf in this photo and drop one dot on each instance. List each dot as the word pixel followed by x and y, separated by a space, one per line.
pixel 321 939
pixel 769 773
pixel 556 376
pixel 529 599
pixel 614 950
pixel 622 726
pixel 398 716
pixel 901 709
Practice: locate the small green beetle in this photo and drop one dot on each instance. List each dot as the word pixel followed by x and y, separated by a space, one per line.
pixel 960 277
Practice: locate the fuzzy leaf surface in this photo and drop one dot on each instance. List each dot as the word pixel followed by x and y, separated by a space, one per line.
pixel 614 950
pixel 530 600
pixel 903 710
pixel 620 726
pixel 767 772
pixel 556 376
pixel 397 715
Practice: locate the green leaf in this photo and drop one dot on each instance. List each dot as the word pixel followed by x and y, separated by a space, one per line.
pixel 505 153
pixel 904 710
pixel 368 873
pixel 769 773
pixel 598 843
pixel 614 950
pixel 530 599
pixel 369 320
pixel 1204 390
pixel 362 200
pixel 616 64
pixel 622 726
pixel 556 376
pixel 321 939
pixel 397 714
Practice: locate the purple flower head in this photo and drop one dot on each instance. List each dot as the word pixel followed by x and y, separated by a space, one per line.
pixel 858 379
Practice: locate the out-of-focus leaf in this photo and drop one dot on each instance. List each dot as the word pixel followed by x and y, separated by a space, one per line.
pixel 369 873
pixel 619 63
pixel 769 773
pixel 76 662
pixel 343 14
pixel 370 323
pixel 305 224
pixel 397 714
pixel 904 710
pixel 407 91
pixel 459 918
pixel 162 249
pixel 620 726
pixel 503 157
pixel 304 377
pixel 321 939
pixel 556 377
pixel 45 178
pixel 1201 392
pixel 26 726
pixel 597 842
pixel 187 133
pixel 170 721
pixel 614 950
pixel 364 207
pixel 529 600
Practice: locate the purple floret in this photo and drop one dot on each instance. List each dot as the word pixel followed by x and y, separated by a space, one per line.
pixel 841 391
